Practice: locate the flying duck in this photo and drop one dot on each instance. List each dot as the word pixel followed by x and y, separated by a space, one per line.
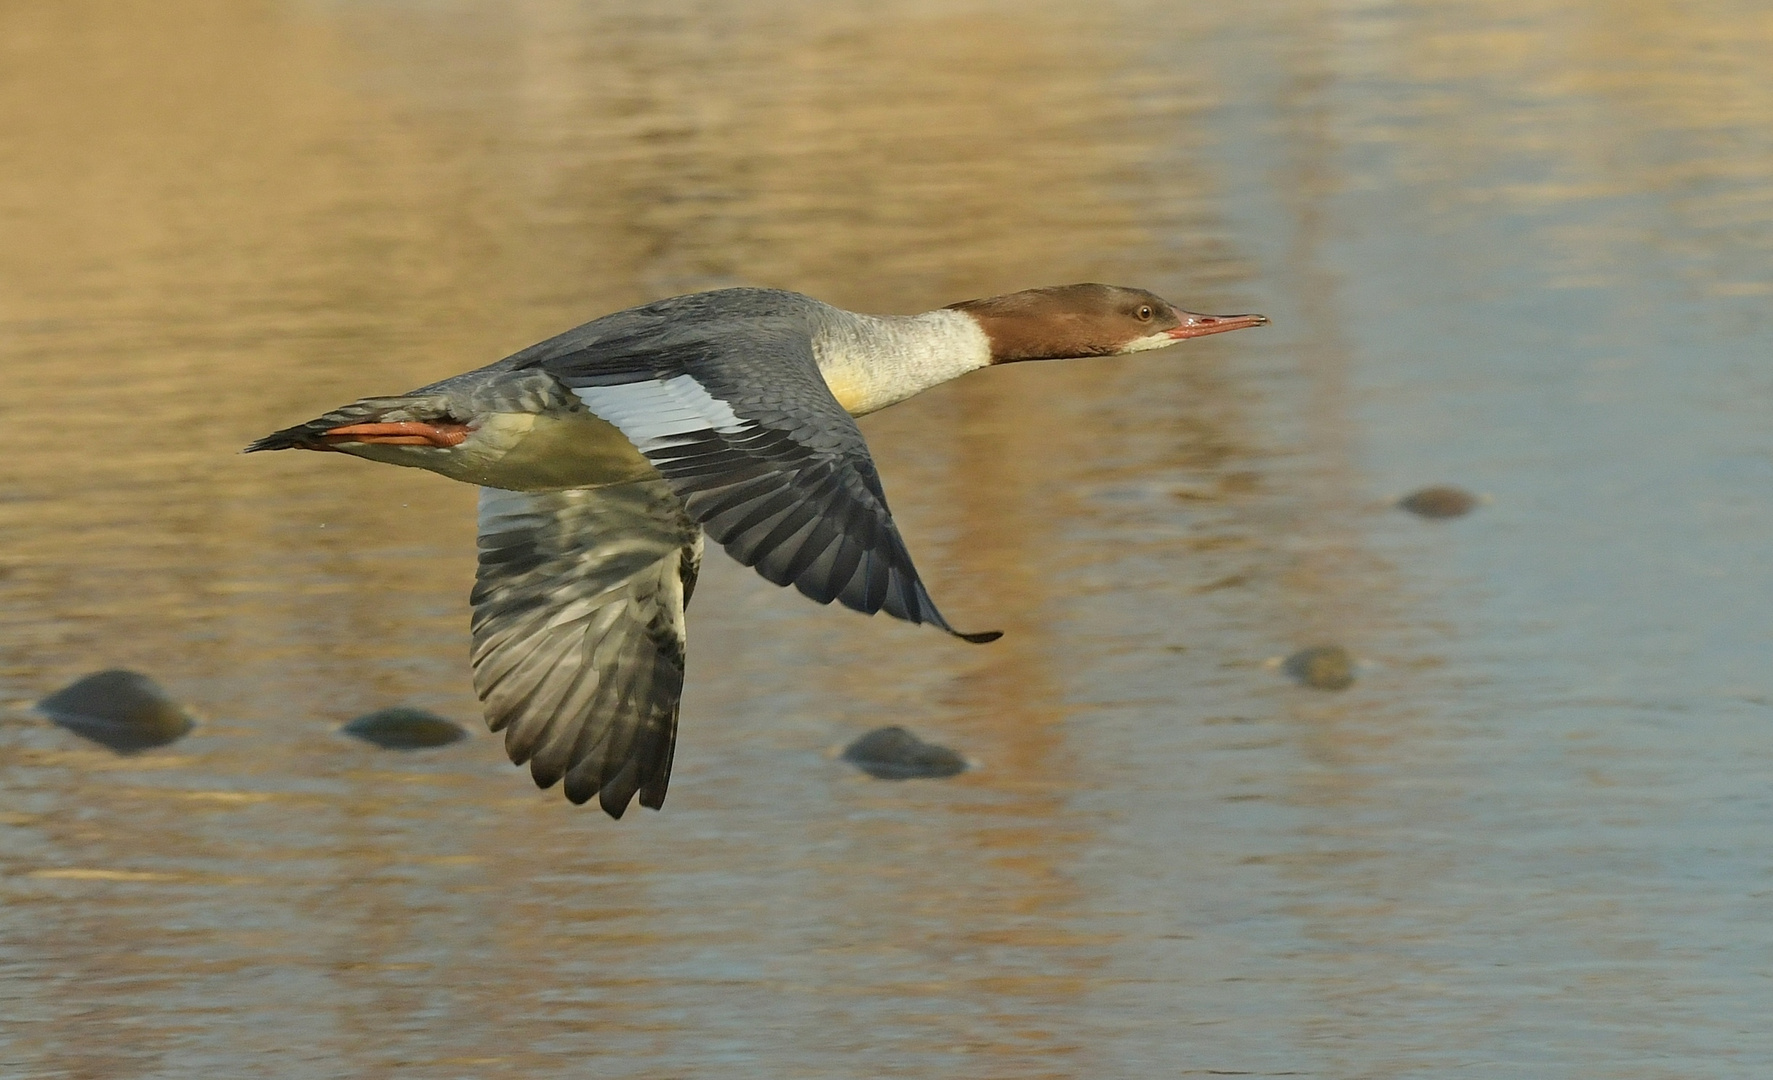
pixel 605 454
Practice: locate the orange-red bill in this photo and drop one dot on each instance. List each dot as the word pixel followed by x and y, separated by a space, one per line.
pixel 404 433
pixel 1195 324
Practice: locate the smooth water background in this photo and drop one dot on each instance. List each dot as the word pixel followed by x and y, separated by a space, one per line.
pixel 1522 247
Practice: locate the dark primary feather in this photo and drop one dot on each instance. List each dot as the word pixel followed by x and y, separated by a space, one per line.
pixel 723 395
pixel 578 634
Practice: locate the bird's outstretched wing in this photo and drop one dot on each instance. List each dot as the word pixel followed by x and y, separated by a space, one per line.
pixel 728 404
pixel 579 634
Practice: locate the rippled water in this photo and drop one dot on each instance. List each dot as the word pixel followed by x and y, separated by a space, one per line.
pixel 1521 247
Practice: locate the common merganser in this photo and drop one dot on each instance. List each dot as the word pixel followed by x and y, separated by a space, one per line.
pixel 604 454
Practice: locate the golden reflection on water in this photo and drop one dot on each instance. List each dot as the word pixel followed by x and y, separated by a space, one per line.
pixel 220 217
pixel 256 210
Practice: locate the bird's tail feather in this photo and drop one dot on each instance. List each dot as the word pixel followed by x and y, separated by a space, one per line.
pixel 310 436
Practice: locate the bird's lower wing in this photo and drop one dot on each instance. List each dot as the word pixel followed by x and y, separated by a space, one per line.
pixel 579 634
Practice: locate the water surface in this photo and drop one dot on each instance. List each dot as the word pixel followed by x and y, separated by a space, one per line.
pixel 1518 247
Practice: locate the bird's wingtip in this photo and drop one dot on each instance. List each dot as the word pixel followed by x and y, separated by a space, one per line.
pixel 277 440
pixel 980 638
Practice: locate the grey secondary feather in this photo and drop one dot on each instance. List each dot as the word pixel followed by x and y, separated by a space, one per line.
pixel 579 633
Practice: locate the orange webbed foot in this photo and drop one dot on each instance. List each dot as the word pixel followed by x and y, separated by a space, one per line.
pixel 404 433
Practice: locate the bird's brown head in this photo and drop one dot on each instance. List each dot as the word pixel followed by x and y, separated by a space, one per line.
pixel 1065 321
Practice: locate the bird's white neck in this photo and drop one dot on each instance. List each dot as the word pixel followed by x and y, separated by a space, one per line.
pixel 872 361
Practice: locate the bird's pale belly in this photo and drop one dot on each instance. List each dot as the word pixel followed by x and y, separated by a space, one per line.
pixel 526 452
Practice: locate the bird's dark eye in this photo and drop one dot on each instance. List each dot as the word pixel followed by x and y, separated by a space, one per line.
pixel 1145 313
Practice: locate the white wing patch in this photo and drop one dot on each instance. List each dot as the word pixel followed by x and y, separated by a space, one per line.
pixel 656 410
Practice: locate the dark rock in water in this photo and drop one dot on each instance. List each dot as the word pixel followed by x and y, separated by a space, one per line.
pixel 1439 502
pixel 123 710
pixel 403 728
pixel 1326 667
pixel 892 753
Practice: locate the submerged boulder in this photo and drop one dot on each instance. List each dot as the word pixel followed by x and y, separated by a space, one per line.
pixel 1325 667
pixel 892 753
pixel 1441 501
pixel 124 710
pixel 405 728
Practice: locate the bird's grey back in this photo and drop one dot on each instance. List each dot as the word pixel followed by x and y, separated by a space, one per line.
pixel 736 322
pixel 731 315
